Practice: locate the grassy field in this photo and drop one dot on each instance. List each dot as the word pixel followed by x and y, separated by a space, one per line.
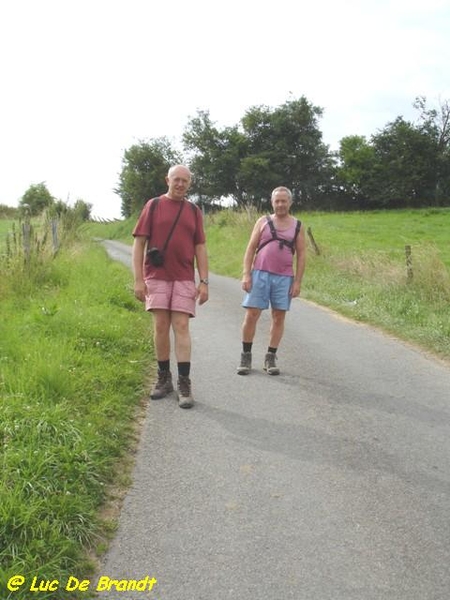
pixel 349 234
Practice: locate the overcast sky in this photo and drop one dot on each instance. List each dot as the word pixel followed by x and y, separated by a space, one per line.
pixel 81 81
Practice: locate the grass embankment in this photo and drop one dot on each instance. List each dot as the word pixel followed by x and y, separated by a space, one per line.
pixel 74 348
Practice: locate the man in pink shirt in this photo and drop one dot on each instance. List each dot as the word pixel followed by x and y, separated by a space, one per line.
pixel 269 277
pixel 173 227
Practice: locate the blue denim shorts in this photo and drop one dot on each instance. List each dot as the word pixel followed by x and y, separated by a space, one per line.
pixel 268 288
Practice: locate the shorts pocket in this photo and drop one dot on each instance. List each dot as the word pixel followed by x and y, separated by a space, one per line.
pixel 186 289
pixel 156 287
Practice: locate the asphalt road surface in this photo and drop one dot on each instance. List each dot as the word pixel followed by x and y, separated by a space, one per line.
pixel 328 482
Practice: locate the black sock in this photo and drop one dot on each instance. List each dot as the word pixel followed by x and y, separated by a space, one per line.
pixel 247 346
pixel 163 365
pixel 272 350
pixel 184 368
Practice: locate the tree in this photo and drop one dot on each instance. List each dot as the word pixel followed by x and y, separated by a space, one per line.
pixel 270 147
pixel 83 210
pixel 144 168
pixel 355 171
pixel 288 140
pixel 214 157
pixel 397 168
pixel 8 212
pixel 436 123
pixel 405 173
pixel 36 199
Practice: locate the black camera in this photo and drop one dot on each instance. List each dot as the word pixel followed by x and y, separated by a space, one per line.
pixel 156 257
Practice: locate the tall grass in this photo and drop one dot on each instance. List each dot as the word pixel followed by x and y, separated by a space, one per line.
pixel 74 348
pixel 115 230
pixel 27 248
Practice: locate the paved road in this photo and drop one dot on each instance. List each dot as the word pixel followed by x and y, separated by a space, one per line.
pixel 329 482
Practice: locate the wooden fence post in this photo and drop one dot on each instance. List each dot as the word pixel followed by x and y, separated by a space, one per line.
pixel 26 234
pixel 55 241
pixel 313 241
pixel 409 269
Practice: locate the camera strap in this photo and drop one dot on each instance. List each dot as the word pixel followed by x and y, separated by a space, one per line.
pixel 153 206
pixel 173 226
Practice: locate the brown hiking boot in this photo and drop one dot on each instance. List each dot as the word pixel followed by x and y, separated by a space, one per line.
pixel 163 385
pixel 246 363
pixel 185 399
pixel 270 364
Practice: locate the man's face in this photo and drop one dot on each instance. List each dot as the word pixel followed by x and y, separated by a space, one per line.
pixel 178 183
pixel 281 203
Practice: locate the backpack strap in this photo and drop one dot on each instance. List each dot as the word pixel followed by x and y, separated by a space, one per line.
pixel 291 244
pixel 282 242
pixel 153 206
pixel 297 231
pixel 273 231
pixel 194 209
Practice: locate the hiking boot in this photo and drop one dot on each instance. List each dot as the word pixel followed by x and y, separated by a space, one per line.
pixel 163 385
pixel 246 363
pixel 185 399
pixel 270 364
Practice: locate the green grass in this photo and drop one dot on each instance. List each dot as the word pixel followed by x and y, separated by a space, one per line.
pixel 5 226
pixel 117 230
pixel 74 351
pixel 362 272
pixel 385 232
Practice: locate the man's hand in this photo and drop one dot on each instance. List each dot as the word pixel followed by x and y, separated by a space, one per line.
pixel 246 283
pixel 140 290
pixel 295 289
pixel 202 294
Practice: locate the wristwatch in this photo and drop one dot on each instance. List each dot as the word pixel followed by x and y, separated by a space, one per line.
pixel 205 281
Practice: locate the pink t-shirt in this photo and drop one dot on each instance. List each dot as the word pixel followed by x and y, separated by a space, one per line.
pixel 180 252
pixel 273 257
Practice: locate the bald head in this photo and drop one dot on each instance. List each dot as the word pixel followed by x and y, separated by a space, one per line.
pixel 178 181
pixel 179 169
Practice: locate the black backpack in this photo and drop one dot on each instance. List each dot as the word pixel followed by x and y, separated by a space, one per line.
pixel 282 242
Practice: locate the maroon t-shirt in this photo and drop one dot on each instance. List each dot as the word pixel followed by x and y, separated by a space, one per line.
pixel 180 252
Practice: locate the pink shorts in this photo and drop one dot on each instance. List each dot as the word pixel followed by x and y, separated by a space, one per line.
pixel 176 296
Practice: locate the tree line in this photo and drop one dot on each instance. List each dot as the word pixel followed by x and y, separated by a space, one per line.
pixel 38 198
pixel 405 164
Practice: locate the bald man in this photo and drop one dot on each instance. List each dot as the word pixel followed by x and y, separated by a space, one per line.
pixel 172 227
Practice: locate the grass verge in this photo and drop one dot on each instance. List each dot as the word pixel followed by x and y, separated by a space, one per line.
pixel 74 350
